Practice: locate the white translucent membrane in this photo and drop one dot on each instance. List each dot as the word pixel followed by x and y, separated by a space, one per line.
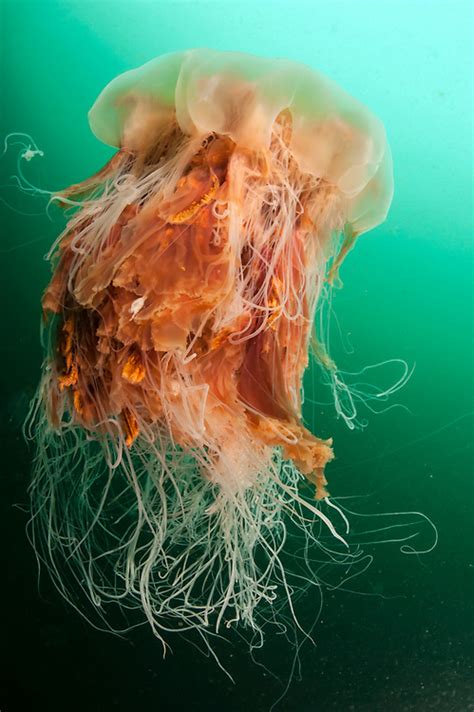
pixel 334 136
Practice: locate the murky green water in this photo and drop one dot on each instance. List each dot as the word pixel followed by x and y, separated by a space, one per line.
pixel 406 642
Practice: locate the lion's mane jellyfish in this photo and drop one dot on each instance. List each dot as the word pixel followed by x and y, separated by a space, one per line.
pixel 171 452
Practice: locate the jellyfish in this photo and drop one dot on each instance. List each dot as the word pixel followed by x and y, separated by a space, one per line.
pixel 171 453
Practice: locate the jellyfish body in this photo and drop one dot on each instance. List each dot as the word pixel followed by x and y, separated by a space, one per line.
pixel 171 446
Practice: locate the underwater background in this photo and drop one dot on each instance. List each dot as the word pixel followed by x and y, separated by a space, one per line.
pixel 400 637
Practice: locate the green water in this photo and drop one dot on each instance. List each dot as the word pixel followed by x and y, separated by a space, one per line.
pixel 407 294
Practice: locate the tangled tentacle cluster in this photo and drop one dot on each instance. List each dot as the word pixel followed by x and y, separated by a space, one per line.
pixel 170 442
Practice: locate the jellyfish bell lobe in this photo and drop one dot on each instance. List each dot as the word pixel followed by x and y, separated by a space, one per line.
pixel 334 136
